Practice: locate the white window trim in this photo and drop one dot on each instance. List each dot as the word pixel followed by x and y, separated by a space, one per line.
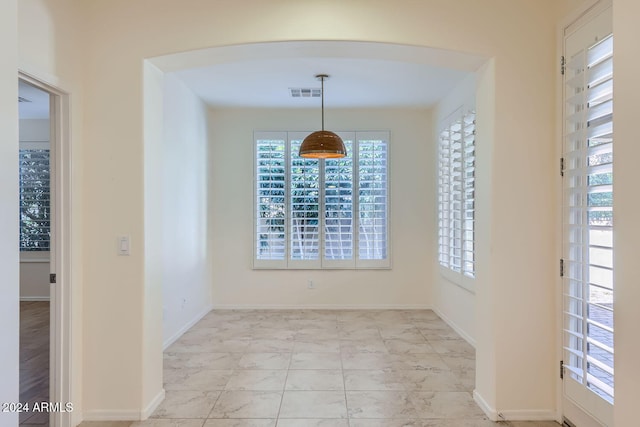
pixel 322 263
pixel 455 277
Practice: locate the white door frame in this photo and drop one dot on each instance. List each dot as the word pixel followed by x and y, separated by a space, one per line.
pixel 60 357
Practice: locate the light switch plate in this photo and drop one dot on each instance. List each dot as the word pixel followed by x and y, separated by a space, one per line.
pixel 124 245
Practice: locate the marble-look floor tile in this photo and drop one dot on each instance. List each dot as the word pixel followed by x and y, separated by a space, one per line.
pixel 247 404
pixel 456 347
pixel 154 422
pixel 360 334
pixel 446 405
pixel 201 360
pixel 319 346
pixel 464 423
pixel 240 422
pixel 312 423
pixel 264 361
pixel 356 422
pixel 186 404
pixel 372 380
pixel 363 346
pixel 313 404
pixel 315 361
pixel 257 379
pixel 409 335
pixel 270 346
pixel 532 424
pixel 380 404
pixel 315 380
pixel 430 380
pixel 318 334
pixel 199 379
pixel 404 347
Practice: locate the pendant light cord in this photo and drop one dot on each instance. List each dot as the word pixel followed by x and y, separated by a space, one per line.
pixel 322 95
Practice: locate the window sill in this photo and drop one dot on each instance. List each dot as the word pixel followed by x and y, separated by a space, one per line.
pixel 458 279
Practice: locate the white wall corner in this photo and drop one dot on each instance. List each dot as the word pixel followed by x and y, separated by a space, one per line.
pixel 126 415
pixel 167 342
pixel 152 406
pixel 490 412
pixel 468 338
pixel 515 414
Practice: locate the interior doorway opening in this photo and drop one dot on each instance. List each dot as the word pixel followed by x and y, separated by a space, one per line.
pixel 35 199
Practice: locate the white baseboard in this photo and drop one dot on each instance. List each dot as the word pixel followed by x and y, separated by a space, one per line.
pixel 514 414
pixel 152 406
pixel 126 415
pixel 528 415
pixel 468 338
pixel 322 307
pixel 35 299
pixel 116 415
pixel 491 413
pixel 186 327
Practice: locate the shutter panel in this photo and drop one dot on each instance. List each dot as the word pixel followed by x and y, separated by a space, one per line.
pixel 372 197
pixel 456 196
pixel 589 218
pixel 35 200
pixel 304 199
pixel 339 207
pixel 271 206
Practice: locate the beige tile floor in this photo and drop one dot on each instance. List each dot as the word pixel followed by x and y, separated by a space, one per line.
pixel 320 368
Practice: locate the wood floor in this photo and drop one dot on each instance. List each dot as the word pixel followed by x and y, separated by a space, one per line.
pixel 34 359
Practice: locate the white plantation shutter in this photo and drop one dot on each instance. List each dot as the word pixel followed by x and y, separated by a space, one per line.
pixel 372 197
pixel 339 207
pixel 304 202
pixel 35 197
pixel 456 195
pixel 588 222
pixel 307 212
pixel 271 205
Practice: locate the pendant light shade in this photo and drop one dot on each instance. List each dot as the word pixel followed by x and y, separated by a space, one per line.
pixel 322 144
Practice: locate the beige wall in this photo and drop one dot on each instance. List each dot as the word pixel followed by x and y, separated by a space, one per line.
pixel 9 229
pixel 516 278
pixel 517 284
pixel 235 284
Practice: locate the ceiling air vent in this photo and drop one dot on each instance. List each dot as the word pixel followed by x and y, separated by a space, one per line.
pixel 305 92
pixel 22 99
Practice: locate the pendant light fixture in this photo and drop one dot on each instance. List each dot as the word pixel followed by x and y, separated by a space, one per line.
pixel 322 144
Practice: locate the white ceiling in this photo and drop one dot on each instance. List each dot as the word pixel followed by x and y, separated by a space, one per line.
pixel 38 107
pixel 353 82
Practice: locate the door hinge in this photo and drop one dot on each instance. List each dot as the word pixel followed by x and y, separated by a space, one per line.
pixel 52 278
pixel 561 268
pixel 562 65
pixel 561 166
pixel 562 369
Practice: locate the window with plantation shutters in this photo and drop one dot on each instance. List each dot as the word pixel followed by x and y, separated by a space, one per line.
pixel 35 209
pixel 588 182
pixel 456 196
pixel 312 213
